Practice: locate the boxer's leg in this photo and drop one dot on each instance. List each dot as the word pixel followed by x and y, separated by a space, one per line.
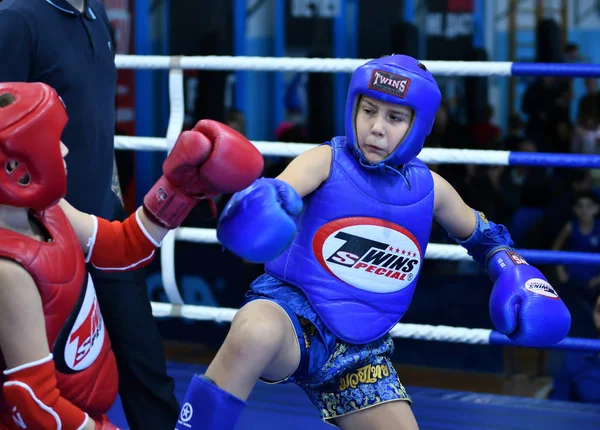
pixel 262 342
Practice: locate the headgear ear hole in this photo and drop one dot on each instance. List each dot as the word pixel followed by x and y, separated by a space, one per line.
pixel 11 166
pixel 6 99
pixel 25 179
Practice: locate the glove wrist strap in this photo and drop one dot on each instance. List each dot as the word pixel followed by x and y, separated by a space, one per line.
pixel 166 206
pixel 501 260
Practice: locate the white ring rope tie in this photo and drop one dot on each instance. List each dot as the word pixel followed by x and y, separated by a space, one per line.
pixel 176 65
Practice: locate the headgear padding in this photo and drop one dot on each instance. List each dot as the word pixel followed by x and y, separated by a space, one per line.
pixel 400 80
pixel 32 119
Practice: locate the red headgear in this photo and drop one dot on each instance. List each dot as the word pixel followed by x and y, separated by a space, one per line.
pixel 32 119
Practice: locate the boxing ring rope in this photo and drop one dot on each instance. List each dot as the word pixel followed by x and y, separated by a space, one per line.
pixel 348 65
pixel 434 251
pixel 473 336
pixel 427 155
pixel 176 65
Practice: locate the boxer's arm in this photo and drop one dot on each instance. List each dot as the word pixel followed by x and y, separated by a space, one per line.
pixel 22 327
pixel 115 246
pixel 268 205
pixel 523 305
pixel 30 381
pixel 86 227
pixel 449 209
pixel 309 170
pixel 480 237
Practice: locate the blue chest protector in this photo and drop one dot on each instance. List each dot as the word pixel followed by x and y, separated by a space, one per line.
pixel 360 245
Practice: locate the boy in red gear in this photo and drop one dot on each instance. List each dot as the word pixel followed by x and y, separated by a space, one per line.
pixel 58 367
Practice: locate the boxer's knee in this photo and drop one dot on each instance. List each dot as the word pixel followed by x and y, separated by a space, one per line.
pixel 258 332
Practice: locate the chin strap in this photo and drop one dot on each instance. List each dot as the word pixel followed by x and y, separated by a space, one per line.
pixel 381 166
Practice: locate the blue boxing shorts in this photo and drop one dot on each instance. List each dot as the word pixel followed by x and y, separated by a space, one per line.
pixel 339 378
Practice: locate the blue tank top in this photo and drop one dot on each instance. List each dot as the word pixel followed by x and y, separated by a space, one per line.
pixel 360 245
pixel 579 242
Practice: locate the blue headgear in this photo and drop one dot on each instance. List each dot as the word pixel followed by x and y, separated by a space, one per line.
pixel 401 80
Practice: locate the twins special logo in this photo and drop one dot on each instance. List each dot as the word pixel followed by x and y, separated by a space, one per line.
pixel 389 83
pixel 368 253
pixel 86 338
pixel 541 287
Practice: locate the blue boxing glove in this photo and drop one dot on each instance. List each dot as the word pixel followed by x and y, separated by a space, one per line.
pixel 523 304
pixel 257 223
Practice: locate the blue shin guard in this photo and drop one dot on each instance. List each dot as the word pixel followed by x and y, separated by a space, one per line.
pixel 207 407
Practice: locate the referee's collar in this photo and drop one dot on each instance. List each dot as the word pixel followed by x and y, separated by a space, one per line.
pixel 65 6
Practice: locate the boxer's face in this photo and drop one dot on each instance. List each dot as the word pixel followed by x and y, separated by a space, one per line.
pixel 380 127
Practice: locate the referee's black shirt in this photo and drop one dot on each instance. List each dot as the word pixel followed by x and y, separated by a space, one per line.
pixel 49 41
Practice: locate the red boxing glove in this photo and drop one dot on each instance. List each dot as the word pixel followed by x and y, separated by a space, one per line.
pixel 209 160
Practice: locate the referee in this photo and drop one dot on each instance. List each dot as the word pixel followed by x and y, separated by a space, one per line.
pixel 67 44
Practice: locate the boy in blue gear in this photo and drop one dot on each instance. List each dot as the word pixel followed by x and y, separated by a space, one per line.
pixel 343 231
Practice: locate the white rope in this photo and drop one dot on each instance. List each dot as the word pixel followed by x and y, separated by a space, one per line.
pixel 442 333
pixel 138 143
pixel 464 156
pixel 438 251
pixel 176 105
pixel 435 251
pixel 167 268
pixel 199 313
pixel 405 331
pixel 293 149
pixel 196 235
pixel 176 119
pixel 297 64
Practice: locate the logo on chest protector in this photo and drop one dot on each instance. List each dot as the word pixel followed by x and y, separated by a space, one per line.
pixel 85 338
pixel 368 253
